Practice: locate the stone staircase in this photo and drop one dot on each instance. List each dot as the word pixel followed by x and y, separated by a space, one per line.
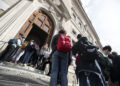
pixel 27 72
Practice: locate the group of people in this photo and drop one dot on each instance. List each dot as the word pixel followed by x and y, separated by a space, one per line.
pixel 26 53
pixel 93 67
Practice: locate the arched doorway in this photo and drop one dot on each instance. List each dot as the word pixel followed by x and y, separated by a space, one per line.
pixel 38 27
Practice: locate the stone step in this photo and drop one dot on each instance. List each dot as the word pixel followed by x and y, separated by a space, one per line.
pixel 20 66
pixel 13 83
pixel 25 72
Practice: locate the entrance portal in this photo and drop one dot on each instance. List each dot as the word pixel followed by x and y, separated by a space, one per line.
pixel 38 27
pixel 38 35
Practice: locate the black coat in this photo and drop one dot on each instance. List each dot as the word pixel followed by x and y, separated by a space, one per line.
pixel 83 65
pixel 115 72
pixel 54 42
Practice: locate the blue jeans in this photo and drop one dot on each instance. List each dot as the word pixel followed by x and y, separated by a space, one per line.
pixel 89 79
pixel 27 56
pixel 59 64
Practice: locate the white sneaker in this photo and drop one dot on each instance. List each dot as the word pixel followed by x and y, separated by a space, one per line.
pixel 1 63
pixel 25 65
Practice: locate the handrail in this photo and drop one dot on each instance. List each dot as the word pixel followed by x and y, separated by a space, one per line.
pixel 3 44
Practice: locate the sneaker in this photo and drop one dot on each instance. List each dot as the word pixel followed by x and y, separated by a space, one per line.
pixel 25 65
pixel 1 63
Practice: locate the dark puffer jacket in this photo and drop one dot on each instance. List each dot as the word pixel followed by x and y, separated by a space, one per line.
pixel 115 72
pixel 105 65
pixel 84 65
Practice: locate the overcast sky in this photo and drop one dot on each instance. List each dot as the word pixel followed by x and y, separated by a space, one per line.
pixel 105 17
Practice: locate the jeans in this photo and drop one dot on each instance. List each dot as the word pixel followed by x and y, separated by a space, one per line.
pixel 18 54
pixel 17 59
pixel 27 56
pixel 89 79
pixel 9 51
pixel 59 64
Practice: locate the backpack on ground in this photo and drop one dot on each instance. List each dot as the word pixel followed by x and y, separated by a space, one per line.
pixel 12 41
pixel 64 43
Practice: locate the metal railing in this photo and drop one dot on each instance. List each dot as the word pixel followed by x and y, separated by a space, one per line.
pixel 2 44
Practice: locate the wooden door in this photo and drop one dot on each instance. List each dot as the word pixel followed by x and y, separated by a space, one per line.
pixel 42 20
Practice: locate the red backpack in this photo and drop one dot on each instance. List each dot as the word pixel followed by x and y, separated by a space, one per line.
pixel 64 43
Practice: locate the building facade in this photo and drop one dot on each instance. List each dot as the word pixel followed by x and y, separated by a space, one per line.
pixel 42 19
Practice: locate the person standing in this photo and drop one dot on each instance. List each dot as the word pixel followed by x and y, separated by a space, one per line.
pixel 105 62
pixel 60 58
pixel 18 49
pixel 12 47
pixel 87 71
pixel 20 52
pixel 115 71
pixel 29 51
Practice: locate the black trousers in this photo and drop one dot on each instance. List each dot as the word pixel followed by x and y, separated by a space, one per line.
pixel 9 51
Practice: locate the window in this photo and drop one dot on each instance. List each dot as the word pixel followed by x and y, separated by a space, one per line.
pixel 79 24
pixel 85 29
pixel 73 31
pixel 6 4
pixel 95 42
pixel 74 16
